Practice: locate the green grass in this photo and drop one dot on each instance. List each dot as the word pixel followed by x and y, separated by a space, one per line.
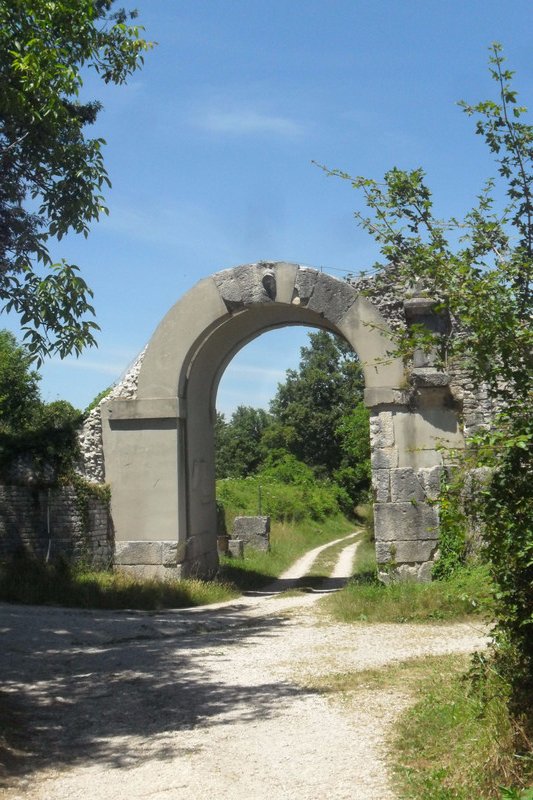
pixel 27 580
pixel 454 744
pixel 450 744
pixel 288 541
pixel 365 599
pixel 283 502
pixel 466 594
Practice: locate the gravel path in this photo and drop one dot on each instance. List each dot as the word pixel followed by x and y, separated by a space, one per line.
pixel 206 702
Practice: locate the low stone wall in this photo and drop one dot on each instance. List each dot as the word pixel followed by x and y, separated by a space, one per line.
pixel 55 522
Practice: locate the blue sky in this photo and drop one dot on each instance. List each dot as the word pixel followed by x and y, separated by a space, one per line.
pixel 209 150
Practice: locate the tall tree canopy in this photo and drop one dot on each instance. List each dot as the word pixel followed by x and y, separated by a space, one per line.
pixel 314 399
pixel 238 442
pixel 51 174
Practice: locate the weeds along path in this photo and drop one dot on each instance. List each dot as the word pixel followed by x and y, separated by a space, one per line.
pixel 214 702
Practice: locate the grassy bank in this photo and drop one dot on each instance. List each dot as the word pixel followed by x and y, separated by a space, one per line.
pixel 454 742
pixel 27 580
pixel 457 742
pixel 365 599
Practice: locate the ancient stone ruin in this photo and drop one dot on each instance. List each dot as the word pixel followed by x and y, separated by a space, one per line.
pixel 151 439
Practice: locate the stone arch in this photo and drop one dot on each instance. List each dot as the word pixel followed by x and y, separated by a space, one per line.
pixel 159 449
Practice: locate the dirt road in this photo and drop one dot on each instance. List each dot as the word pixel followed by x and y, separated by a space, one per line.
pixel 202 703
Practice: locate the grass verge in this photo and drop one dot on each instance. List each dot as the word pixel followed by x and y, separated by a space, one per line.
pixel 27 580
pixel 458 742
pixel 365 599
pixel 467 593
pixel 454 742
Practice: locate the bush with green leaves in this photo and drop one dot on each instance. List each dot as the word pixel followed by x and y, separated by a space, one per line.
pixel 481 267
pixel 46 433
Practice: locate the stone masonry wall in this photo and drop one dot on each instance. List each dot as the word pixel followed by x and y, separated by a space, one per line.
pixel 51 521
pixel 92 451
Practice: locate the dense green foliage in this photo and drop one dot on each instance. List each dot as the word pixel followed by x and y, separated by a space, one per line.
pixel 481 268
pixel 238 444
pixel 44 432
pixel 52 174
pixel 317 428
pixel 314 400
pixel 19 384
pixel 283 500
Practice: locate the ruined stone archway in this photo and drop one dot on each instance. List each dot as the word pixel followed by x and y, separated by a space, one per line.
pixel 159 448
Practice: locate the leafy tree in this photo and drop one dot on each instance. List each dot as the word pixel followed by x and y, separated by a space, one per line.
pixel 483 277
pixel 309 407
pixel 51 174
pixel 238 442
pixel 44 432
pixel 19 385
pixel 354 472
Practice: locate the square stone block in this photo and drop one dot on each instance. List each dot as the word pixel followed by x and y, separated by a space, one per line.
pixel 254 531
pixel 138 553
pixel 384 458
pixel 401 521
pixel 406 551
pixel 405 486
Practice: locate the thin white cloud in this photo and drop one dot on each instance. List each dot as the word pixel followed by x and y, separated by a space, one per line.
pixel 250 371
pixel 243 122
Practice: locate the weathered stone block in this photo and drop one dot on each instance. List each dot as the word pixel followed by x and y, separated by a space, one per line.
pixel 305 284
pixel 398 520
pixel 254 531
pixel 236 548
pixel 382 429
pixel 253 290
pixel 417 573
pixel 430 479
pixel 405 486
pixel 172 553
pixel 380 485
pixel 128 553
pixel 429 377
pixel 384 458
pixel 331 298
pixel 402 551
pixel 377 396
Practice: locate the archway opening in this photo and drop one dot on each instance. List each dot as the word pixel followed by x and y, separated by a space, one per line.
pixel 159 445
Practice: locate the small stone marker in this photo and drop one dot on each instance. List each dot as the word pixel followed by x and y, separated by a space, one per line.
pixel 253 531
pixel 236 548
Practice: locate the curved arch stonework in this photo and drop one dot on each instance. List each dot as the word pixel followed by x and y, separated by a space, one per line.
pixel 159 447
